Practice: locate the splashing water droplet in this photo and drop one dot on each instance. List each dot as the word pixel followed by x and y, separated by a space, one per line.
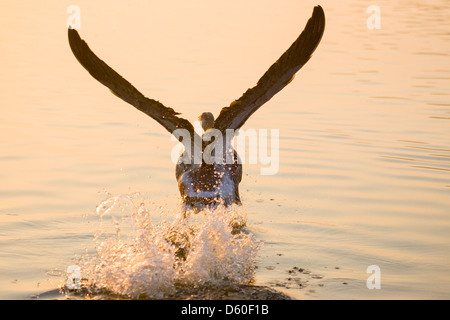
pixel 139 258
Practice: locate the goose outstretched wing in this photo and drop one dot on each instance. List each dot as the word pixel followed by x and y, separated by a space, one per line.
pixel 276 77
pixel 98 69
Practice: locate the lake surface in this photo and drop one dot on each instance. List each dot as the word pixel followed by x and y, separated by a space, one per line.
pixel 364 137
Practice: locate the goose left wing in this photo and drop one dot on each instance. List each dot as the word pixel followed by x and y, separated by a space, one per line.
pixel 98 69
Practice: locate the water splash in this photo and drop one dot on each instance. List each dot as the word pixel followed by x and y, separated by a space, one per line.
pixel 138 258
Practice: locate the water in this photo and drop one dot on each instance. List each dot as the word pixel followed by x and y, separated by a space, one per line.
pixel 364 175
pixel 150 259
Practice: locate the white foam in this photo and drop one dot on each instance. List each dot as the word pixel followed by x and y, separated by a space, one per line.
pixel 137 257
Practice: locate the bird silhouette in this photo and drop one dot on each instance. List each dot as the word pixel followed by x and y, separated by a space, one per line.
pixel 203 183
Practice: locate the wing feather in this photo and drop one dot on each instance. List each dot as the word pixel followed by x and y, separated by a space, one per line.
pixel 276 77
pixel 120 87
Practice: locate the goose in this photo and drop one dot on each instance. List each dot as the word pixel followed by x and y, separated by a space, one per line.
pixel 203 184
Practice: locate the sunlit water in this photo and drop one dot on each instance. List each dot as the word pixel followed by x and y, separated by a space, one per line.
pixel 364 173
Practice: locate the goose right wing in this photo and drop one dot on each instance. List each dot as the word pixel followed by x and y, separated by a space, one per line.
pixel 276 77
